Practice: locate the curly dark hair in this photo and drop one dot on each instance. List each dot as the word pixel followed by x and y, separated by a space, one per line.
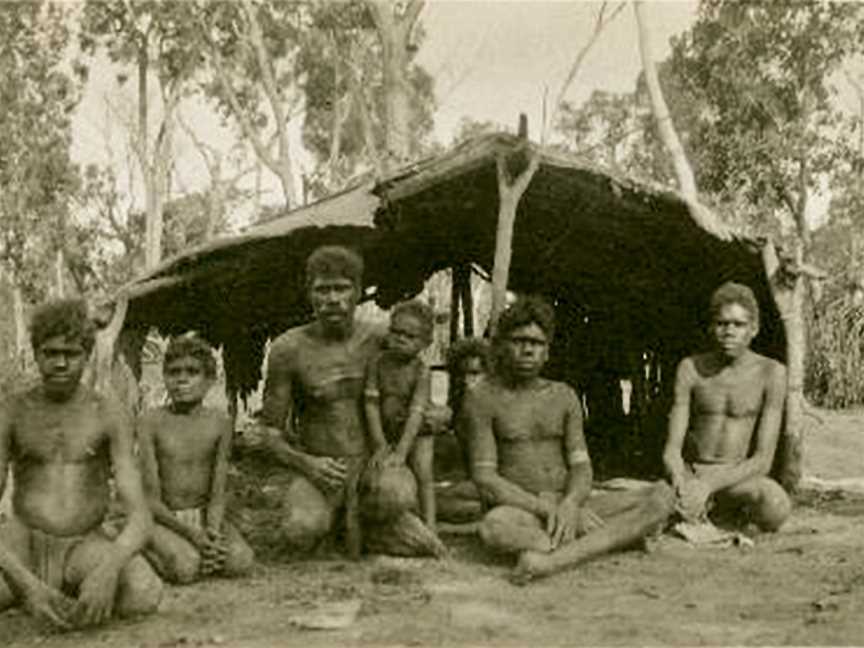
pixel 334 261
pixel 66 317
pixel 190 345
pixel 466 348
pixel 735 293
pixel 419 310
pixel 526 310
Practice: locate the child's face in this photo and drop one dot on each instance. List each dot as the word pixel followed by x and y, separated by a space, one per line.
pixel 407 336
pixel 186 381
pixel 472 370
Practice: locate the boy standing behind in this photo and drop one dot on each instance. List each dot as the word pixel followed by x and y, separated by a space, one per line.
pixel 396 394
pixel 184 452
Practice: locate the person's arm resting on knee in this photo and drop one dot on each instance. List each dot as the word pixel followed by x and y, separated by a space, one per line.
pixel 571 518
pixel 767 435
pixel 153 488
pixel 372 408
pixel 419 399
pixel 37 597
pixel 278 416
pixel 484 460
pixel 679 421
pixel 98 590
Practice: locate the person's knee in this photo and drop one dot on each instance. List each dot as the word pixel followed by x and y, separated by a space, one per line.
pixel 661 500
pixel 240 560
pixel 308 516
pixel 773 506
pixel 140 589
pixel 493 526
pixel 178 561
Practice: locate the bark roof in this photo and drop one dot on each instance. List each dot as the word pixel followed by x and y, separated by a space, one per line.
pixel 634 256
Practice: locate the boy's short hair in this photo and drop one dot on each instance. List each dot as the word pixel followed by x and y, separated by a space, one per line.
pixel 420 311
pixel 66 317
pixel 735 293
pixel 334 261
pixel 526 310
pixel 191 345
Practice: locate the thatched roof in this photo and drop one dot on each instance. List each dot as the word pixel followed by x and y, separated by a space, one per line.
pixel 607 248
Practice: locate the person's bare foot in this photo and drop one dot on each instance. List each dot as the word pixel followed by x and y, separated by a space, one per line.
pixel 528 567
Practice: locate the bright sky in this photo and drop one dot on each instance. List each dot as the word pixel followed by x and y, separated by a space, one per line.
pixel 494 59
pixel 491 60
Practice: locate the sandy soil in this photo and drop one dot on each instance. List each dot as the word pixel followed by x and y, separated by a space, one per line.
pixel 802 586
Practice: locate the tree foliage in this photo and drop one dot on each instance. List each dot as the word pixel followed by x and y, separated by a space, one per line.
pixel 40 90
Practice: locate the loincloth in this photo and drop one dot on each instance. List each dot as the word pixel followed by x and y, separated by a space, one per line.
pixel 194 517
pixel 48 553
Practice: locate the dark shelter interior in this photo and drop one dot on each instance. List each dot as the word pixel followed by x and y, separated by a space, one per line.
pixel 629 270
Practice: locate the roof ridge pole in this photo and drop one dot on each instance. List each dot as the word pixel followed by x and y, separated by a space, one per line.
pixel 509 194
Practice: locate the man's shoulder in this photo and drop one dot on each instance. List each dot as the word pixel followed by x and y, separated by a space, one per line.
pixel 371 333
pixel 769 367
pixel 290 339
pixel 558 387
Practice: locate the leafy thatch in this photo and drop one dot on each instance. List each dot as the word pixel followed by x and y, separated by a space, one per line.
pixel 629 267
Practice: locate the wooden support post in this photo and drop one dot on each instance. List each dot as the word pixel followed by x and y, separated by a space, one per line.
pixel 466 298
pixel 233 405
pixel 509 194
pixel 788 290
pixel 454 304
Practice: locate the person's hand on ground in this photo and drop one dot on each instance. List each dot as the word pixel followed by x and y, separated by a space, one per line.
pixel 48 604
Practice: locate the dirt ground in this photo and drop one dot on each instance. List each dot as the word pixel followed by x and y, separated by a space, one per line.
pixel 802 586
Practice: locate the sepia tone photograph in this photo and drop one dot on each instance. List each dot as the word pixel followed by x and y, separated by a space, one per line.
pixel 503 323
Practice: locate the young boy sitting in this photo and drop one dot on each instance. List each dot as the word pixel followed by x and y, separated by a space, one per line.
pixel 396 394
pixel 184 453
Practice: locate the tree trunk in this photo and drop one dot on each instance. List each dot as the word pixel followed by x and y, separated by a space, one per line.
pixel 509 194
pixel 22 350
pixel 58 275
pixel 454 304
pixel 153 234
pixel 665 127
pixel 152 197
pixel 789 292
pixel 796 345
pixel 394 33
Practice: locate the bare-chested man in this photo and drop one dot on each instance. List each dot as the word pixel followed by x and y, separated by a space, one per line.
pixel 62 442
pixel 313 395
pixel 185 450
pixel 530 461
pixel 722 399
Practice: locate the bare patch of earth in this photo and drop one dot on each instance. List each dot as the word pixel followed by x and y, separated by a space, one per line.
pixel 802 586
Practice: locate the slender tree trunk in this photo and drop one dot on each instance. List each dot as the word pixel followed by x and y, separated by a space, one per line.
pixel 152 197
pixel 683 170
pixel 59 286
pixel 21 342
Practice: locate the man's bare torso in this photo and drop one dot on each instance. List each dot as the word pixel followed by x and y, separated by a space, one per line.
pixel 529 430
pixel 60 461
pixel 185 446
pixel 725 406
pixel 327 377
